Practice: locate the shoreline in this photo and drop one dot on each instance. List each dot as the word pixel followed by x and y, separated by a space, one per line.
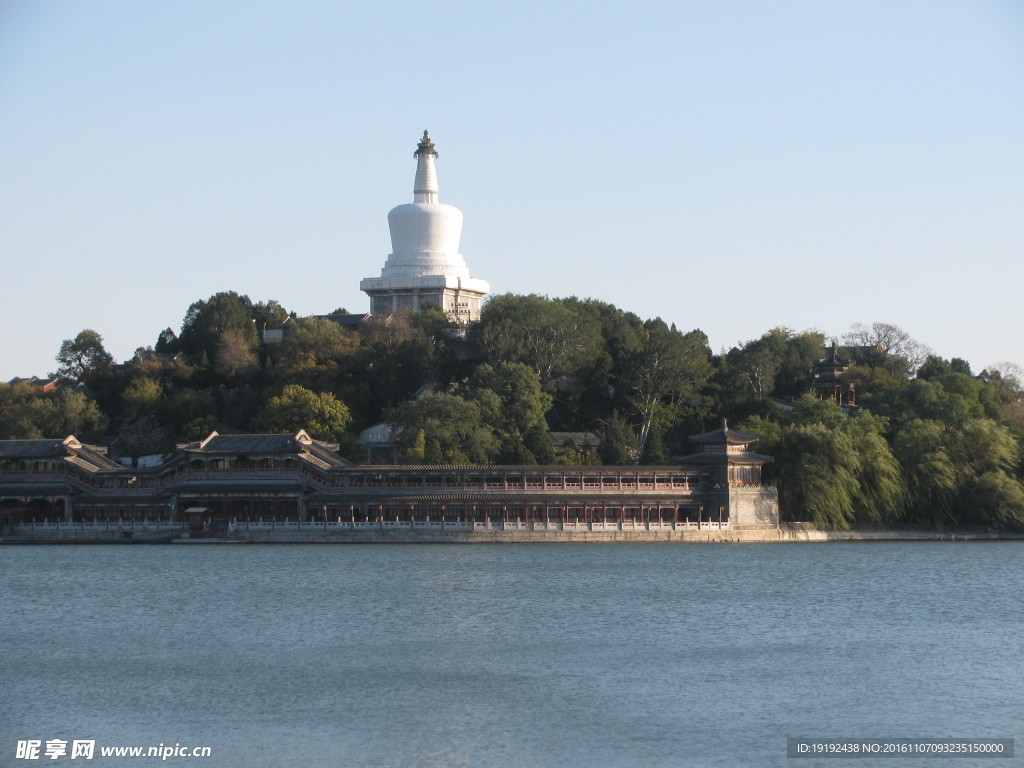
pixel 787 533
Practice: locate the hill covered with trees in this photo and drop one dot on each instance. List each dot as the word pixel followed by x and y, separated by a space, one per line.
pixel 929 443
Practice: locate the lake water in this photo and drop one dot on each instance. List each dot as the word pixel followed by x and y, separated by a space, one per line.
pixel 410 656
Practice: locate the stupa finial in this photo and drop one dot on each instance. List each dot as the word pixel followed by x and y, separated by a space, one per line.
pixel 425 147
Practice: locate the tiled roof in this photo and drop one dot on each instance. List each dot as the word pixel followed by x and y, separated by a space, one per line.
pixel 94 461
pixel 315 461
pixel 327 453
pixel 725 435
pixel 31 448
pixel 249 444
pixel 68 447
pixel 345 319
pixel 217 443
pixel 299 443
pixel 48 385
pixel 78 461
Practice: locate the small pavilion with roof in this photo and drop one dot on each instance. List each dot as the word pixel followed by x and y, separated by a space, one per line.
pixel 828 378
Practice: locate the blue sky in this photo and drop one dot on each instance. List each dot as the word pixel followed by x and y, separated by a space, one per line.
pixel 727 165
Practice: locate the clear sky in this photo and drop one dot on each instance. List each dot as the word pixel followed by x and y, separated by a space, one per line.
pixel 728 165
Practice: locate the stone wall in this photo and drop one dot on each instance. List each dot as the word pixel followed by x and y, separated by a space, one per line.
pixel 754 506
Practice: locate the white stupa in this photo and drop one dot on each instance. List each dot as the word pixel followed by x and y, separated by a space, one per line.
pixel 425 264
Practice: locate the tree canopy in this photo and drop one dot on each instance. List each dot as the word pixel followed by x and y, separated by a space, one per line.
pixel 321 414
pixel 930 441
pixel 83 357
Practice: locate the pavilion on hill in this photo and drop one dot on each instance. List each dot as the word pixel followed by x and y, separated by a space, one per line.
pixel 828 378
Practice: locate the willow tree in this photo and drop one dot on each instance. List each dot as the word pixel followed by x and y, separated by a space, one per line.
pixel 987 457
pixel 881 491
pixel 817 476
pixel 929 471
pixel 833 470
pixel 961 474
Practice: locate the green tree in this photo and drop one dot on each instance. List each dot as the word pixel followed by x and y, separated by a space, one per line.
pixel 881 489
pixel 1006 381
pixel 553 338
pixel 512 404
pixel 756 364
pixel 654 450
pixel 810 410
pixel 206 321
pixel 668 373
pixel 235 358
pixel 995 499
pixel 952 399
pixel 446 428
pixel 833 470
pixel 321 414
pixel 935 367
pixel 600 383
pixel 141 396
pixel 961 474
pixel 83 357
pixel 75 414
pixel 618 444
pixel 28 414
pixel 195 409
pixel 802 349
pixel 817 476
pixel 872 381
pixel 199 428
pixel 20 408
pixel 538 443
pixel 167 341
pixel 397 359
pixel 929 471
pixel 316 353
pixel 268 314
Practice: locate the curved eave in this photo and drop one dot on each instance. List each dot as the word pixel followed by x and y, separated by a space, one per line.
pixel 723 437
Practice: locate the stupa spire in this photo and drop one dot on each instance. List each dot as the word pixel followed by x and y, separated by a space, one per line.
pixel 424 189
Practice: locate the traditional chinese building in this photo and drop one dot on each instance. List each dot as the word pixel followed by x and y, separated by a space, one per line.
pixel 828 378
pixel 737 470
pixel 51 385
pixel 425 264
pixel 254 480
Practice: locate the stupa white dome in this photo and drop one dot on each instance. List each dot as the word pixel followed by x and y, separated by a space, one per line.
pixel 425 264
